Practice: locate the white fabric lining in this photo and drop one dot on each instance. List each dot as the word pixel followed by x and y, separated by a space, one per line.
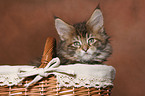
pixel 75 75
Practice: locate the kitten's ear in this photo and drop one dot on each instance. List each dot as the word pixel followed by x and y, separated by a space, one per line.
pixel 96 21
pixel 64 30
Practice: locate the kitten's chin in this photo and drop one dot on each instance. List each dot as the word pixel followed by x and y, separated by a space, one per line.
pixel 86 57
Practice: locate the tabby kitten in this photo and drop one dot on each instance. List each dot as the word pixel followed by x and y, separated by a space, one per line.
pixel 84 42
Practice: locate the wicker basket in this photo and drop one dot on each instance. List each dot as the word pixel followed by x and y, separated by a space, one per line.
pixel 49 86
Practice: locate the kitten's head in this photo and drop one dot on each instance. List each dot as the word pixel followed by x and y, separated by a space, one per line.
pixel 84 42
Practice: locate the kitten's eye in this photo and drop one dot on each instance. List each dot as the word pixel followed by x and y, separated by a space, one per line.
pixel 76 44
pixel 91 41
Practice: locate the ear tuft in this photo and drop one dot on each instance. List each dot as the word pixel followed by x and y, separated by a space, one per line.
pixel 98 7
pixel 55 17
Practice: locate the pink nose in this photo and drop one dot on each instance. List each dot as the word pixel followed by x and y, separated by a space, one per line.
pixel 85 48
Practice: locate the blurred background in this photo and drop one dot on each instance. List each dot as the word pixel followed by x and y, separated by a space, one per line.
pixel 25 25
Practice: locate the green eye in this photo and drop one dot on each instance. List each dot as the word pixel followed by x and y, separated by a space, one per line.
pixel 76 44
pixel 92 40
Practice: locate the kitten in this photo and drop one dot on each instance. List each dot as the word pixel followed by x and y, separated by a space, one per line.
pixel 84 42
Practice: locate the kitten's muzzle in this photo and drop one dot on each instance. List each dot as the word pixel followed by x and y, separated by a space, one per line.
pixel 85 48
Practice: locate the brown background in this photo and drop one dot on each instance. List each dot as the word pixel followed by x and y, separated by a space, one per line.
pixel 25 25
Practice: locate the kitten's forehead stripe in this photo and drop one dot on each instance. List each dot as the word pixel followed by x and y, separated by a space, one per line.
pixel 79 38
pixel 81 29
pixel 88 35
pixel 82 32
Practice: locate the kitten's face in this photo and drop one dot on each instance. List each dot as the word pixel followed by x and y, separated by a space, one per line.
pixel 84 42
pixel 83 48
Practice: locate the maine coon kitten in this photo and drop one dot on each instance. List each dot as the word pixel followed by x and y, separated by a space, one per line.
pixel 84 42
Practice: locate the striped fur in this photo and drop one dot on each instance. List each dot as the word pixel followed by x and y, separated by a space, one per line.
pixel 85 42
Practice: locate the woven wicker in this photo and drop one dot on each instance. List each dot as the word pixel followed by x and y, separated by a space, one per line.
pixel 49 86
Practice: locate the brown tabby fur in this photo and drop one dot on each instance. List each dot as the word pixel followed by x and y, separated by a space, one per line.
pixel 85 42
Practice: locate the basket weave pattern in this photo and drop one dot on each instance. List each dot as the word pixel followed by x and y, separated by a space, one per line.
pixel 49 86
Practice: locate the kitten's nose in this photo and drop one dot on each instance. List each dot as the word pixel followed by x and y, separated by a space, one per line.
pixel 85 48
